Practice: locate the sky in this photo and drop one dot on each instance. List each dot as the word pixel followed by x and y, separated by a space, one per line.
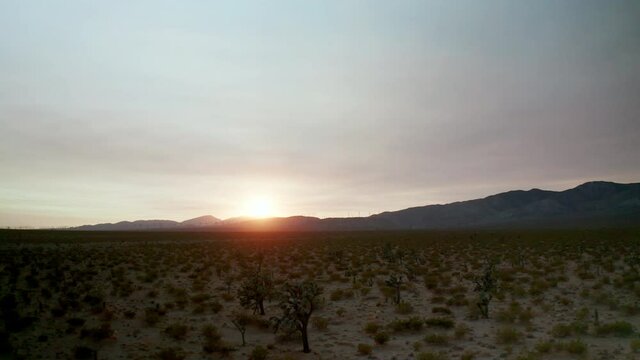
pixel 150 109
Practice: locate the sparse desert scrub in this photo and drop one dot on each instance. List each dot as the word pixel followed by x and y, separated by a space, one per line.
pixel 97 272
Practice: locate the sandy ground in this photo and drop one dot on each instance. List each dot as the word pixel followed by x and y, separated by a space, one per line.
pixel 541 284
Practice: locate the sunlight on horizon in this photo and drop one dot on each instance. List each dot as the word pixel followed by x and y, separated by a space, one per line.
pixel 259 207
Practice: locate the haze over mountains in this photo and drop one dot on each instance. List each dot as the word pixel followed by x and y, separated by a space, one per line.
pixel 593 204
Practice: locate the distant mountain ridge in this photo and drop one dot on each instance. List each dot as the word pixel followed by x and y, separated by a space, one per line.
pixel 597 203
pixel 202 221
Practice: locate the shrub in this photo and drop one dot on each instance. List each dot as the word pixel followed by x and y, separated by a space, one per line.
pixel 177 331
pixel 215 306
pixel 258 353
pixel 83 352
pixel 151 316
pixel 211 339
pixel 340 294
pixel 576 347
pixel 507 335
pixel 436 339
pixel 381 338
pixel 618 328
pixel 431 356
pixel 467 355
pixel 320 323
pixel 171 354
pixel 75 322
pixel 635 345
pixel 461 331
pixel 210 332
pixel 404 308
pixel 99 333
pixel 441 310
pixel 561 330
pixel 439 322
pixel 371 328
pixel 364 349
pixel 544 347
pixel 527 355
pixel 566 330
pixel 413 323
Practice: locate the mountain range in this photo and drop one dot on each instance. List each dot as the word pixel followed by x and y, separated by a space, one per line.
pixel 593 204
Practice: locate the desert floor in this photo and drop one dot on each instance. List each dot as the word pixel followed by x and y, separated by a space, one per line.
pixel 148 295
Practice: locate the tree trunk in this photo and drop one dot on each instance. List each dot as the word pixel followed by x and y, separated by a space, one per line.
pixel 261 306
pixel 305 340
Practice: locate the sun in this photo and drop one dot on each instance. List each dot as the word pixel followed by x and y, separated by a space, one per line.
pixel 260 207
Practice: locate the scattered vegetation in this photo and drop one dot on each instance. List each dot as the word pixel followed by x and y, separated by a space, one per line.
pixel 78 293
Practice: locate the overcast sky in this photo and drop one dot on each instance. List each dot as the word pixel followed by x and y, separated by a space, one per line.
pixel 113 110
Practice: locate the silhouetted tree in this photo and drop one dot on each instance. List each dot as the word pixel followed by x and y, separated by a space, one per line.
pixel 486 285
pixel 298 303
pixel 395 282
pixel 256 288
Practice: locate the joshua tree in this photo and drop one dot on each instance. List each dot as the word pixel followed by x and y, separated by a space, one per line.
pixel 352 273
pixel 486 285
pixel 298 303
pixel 395 282
pixel 255 290
pixel 228 282
pixel 633 260
pixel 240 321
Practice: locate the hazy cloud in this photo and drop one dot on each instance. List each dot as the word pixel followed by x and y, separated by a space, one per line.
pixel 164 109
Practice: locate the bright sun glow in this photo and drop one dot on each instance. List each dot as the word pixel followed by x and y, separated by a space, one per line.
pixel 260 207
